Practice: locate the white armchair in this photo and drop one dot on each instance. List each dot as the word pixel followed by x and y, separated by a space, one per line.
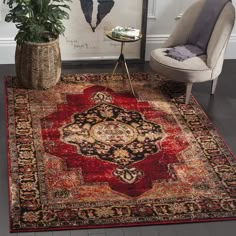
pixel 199 68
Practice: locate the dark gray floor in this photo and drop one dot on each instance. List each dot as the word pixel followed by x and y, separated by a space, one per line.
pixel 220 108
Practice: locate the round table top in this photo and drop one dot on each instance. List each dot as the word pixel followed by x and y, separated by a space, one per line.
pixel 122 39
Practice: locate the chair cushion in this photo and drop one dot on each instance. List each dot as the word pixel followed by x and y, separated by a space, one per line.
pixel 191 70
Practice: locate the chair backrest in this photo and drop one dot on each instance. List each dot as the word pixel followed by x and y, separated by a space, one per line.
pixel 185 24
pixel 220 38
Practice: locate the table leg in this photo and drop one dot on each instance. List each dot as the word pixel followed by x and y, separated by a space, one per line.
pixel 117 63
pixel 122 60
pixel 128 74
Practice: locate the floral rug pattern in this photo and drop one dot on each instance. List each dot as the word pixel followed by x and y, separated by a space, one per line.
pixel 87 153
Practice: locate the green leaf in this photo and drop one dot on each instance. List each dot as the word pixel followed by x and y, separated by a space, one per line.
pixel 33 17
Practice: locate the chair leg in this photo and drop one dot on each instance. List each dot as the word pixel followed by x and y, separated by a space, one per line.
pixel 188 92
pixel 213 85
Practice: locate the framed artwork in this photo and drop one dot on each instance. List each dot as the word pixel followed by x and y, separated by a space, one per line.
pixel 84 39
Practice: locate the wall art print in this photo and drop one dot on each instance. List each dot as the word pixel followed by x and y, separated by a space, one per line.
pixel 102 9
pixel 84 38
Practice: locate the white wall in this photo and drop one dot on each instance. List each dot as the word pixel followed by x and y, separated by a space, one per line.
pixel 162 17
pixel 7 43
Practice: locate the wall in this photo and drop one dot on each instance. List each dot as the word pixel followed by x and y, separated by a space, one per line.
pixel 7 43
pixel 162 17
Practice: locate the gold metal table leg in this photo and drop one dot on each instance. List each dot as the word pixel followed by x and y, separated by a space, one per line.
pixel 122 60
pixel 128 74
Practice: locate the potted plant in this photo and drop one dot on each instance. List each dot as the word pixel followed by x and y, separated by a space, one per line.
pixel 39 24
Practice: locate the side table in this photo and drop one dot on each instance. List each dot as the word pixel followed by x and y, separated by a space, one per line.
pixel 121 60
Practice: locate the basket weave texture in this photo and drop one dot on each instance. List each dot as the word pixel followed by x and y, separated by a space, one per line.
pixel 38 65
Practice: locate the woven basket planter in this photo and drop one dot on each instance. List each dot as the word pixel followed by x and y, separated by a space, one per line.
pixel 38 65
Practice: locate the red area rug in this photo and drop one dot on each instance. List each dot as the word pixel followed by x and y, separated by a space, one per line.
pixel 89 154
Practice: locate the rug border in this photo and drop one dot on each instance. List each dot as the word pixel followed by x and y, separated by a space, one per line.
pixel 7 150
pixel 216 130
pixel 121 225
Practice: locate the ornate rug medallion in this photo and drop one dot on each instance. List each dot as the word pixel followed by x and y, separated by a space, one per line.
pixel 113 134
pixel 83 155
